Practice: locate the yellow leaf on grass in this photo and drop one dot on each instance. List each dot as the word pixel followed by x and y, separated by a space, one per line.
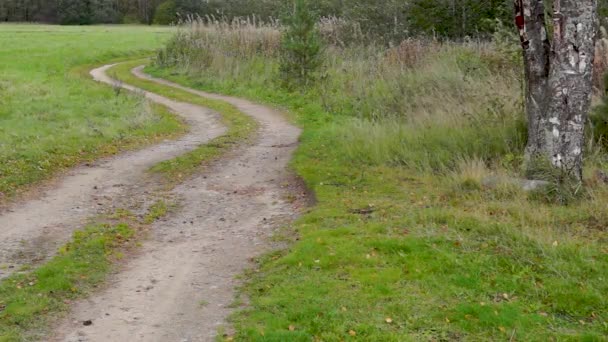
pixel 388 320
pixel 352 333
pixel 292 328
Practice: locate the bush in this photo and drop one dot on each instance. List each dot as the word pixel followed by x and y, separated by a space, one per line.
pixel 166 13
pixel 301 47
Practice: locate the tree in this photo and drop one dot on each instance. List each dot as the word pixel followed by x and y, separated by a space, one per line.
pixel 165 13
pixel 457 18
pixel 71 12
pixel 104 11
pixel 559 76
pixel 301 46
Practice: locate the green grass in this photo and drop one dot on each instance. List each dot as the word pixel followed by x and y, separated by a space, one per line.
pixel 53 116
pixel 29 300
pixel 240 127
pixel 156 211
pixel 441 255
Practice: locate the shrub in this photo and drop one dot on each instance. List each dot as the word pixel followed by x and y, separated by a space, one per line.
pixel 166 13
pixel 301 47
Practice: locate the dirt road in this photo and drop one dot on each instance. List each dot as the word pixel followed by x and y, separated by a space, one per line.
pixel 180 286
pixel 33 230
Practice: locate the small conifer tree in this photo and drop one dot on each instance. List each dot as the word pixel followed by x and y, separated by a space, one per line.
pixel 301 55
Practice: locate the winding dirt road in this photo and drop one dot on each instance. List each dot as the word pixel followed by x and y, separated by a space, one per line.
pixel 181 283
pixel 32 231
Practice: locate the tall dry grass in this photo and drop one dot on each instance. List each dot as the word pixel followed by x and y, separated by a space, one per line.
pixel 423 102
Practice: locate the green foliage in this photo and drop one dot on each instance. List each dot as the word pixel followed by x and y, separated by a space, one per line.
pixel 72 12
pixel 166 13
pixel 458 18
pixel 301 55
pixel 599 119
pixel 385 21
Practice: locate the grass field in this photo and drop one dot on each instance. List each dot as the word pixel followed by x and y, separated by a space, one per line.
pixel 52 116
pixel 406 243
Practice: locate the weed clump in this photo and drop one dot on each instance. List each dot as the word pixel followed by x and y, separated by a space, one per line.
pixel 562 187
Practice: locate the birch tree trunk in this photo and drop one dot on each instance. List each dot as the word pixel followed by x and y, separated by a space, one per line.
pixel 559 77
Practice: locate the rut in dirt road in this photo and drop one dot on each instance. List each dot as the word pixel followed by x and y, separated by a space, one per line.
pixel 32 231
pixel 182 284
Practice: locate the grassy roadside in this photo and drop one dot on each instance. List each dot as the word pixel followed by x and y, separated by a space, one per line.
pixel 240 127
pixel 53 116
pixel 395 253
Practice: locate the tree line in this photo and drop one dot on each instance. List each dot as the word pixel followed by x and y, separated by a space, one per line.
pixel 389 18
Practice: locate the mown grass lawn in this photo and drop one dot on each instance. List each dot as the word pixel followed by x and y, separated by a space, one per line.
pixel 52 115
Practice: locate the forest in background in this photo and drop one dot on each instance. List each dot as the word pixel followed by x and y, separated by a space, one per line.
pixel 391 19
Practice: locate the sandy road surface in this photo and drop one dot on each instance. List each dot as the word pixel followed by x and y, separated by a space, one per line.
pixel 181 284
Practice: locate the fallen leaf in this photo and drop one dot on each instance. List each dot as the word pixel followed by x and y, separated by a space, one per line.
pixel 502 329
pixel 388 320
pixel 352 333
pixel 292 328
